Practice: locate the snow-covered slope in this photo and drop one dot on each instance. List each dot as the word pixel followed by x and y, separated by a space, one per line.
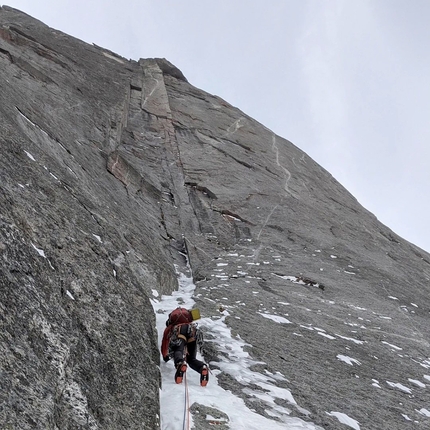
pixel 191 406
pixel 181 403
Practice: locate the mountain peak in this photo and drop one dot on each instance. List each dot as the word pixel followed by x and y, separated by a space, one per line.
pixel 118 179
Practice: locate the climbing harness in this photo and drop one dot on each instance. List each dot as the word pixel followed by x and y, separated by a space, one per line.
pixel 175 337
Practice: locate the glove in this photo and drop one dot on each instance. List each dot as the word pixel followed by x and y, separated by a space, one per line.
pixel 166 358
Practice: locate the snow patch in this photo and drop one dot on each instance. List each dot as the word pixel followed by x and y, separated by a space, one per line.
pixel 30 156
pixel 345 419
pixel 417 383
pixel 327 336
pixel 359 342
pixel 39 251
pixel 399 386
pixel 376 383
pixel 348 360
pixel 98 238
pixel 392 346
pixel 276 318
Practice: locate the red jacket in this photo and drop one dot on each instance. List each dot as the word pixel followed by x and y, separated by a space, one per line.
pixel 166 339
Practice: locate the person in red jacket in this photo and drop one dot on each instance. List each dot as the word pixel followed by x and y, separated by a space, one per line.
pixel 180 343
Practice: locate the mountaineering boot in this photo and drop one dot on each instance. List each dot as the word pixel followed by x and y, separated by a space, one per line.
pixel 204 376
pixel 181 368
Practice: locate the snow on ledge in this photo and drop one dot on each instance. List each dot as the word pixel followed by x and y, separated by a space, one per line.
pixel 345 419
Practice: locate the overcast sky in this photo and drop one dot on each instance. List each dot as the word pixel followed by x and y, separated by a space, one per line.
pixel 347 81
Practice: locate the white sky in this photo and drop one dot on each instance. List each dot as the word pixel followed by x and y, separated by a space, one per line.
pixel 347 81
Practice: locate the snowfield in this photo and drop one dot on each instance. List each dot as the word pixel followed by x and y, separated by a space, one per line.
pixel 176 399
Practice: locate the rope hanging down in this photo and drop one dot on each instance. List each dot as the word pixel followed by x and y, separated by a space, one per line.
pixel 186 423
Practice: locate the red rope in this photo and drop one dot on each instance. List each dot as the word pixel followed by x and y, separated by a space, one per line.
pixel 187 417
pixel 187 405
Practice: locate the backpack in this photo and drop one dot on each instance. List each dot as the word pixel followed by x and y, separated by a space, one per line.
pixel 179 316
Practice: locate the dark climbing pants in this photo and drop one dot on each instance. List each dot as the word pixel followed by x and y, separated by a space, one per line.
pixel 185 336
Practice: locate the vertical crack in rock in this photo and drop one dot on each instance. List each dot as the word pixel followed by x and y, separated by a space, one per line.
pixel 155 102
pixel 116 126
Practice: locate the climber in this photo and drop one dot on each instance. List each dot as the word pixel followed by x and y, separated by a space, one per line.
pixel 180 339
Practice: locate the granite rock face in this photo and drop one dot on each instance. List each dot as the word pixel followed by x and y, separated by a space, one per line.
pixel 111 171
